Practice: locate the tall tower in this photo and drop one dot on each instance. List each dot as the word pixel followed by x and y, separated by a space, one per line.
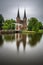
pixel 25 20
pixel 18 17
pixel 24 13
pixel 17 21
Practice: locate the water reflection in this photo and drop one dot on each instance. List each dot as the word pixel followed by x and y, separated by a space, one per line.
pixel 1 40
pixel 20 38
pixel 34 39
pixel 10 44
pixel 9 37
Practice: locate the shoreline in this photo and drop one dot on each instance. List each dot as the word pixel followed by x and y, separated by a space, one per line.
pixel 9 31
pixel 15 31
pixel 25 31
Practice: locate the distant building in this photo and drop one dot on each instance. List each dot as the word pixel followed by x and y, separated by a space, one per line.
pixel 21 24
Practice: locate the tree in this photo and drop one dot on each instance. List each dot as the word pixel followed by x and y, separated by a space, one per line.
pixel 40 25
pixel 34 24
pixel 9 24
pixel 1 21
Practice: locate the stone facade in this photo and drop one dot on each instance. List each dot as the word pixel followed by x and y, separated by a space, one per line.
pixel 21 24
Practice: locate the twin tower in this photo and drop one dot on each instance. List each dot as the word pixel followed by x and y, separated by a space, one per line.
pixel 22 24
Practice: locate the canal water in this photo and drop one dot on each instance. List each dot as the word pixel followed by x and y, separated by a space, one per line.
pixel 21 49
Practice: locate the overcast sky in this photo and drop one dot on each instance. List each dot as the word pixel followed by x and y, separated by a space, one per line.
pixel 9 8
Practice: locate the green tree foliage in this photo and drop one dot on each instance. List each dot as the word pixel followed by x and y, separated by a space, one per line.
pixel 42 27
pixel 34 24
pixel 1 21
pixel 9 24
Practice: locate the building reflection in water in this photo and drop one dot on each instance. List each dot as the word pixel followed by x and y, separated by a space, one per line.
pixel 33 39
pixel 20 38
pixel 1 40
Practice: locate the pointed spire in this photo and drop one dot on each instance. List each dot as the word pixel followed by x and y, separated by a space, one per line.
pixel 18 15
pixel 24 13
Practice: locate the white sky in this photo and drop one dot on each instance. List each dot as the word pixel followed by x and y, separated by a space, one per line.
pixel 9 8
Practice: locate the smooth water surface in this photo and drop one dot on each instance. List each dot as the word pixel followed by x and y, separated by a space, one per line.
pixel 20 49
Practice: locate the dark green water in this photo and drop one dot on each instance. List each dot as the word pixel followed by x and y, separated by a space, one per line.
pixel 21 49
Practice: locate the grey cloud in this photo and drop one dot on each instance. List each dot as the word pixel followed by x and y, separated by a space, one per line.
pixel 33 7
